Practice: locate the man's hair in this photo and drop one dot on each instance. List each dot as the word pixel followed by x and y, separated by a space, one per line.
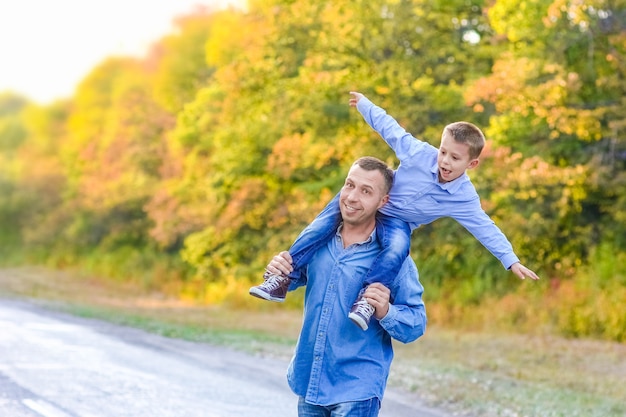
pixel 369 163
pixel 465 132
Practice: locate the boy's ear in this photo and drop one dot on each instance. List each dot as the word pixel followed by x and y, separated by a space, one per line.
pixel 473 163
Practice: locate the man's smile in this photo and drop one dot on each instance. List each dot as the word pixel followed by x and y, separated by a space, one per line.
pixel 350 208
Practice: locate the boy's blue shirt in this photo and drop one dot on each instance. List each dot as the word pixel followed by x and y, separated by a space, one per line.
pixel 334 360
pixel 417 197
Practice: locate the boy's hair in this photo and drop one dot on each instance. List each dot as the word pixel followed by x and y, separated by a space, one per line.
pixel 465 132
pixel 370 163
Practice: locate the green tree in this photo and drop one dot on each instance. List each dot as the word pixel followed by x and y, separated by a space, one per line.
pixel 557 95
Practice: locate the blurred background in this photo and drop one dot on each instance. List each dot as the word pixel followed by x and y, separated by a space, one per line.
pixel 178 145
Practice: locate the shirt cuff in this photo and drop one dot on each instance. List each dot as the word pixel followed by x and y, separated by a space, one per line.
pixel 390 317
pixel 363 104
pixel 509 260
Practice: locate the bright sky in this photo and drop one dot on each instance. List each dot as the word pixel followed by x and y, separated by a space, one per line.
pixel 48 46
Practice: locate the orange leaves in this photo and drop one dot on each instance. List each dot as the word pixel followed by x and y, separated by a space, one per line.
pixel 299 153
pixel 513 89
pixel 247 206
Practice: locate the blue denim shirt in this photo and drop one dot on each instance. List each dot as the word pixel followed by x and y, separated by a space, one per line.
pixel 335 361
pixel 417 196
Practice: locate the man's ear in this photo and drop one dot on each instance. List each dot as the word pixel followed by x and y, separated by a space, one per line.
pixel 384 200
pixel 473 163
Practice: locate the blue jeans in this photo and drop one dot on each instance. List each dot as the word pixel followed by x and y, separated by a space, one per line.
pixel 366 408
pixel 394 236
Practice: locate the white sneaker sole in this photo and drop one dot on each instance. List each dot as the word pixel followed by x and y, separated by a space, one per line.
pixel 254 291
pixel 358 320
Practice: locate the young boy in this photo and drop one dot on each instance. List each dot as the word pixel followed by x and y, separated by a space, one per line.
pixel 429 183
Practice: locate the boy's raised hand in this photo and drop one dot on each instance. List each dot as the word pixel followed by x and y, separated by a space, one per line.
pixel 523 272
pixel 355 98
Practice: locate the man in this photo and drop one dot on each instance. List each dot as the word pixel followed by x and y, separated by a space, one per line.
pixel 337 369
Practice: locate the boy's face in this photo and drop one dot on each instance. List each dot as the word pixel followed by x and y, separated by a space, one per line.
pixel 453 159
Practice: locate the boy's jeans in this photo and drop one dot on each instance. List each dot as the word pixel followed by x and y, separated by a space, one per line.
pixel 394 236
pixel 367 408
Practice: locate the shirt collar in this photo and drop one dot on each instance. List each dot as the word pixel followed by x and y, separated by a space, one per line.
pixel 452 186
pixel 371 238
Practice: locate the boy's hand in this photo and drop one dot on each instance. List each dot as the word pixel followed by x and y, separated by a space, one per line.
pixel 281 264
pixel 377 295
pixel 355 98
pixel 523 272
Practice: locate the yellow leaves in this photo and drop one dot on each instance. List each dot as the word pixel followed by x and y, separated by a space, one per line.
pixel 575 11
pixel 382 90
pixel 234 35
pixel 517 19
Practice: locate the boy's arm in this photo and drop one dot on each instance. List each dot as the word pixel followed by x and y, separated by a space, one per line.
pixel 483 228
pixel 403 143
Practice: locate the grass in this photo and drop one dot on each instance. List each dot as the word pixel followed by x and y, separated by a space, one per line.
pixel 469 374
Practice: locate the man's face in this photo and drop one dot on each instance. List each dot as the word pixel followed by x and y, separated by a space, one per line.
pixel 362 195
pixel 453 159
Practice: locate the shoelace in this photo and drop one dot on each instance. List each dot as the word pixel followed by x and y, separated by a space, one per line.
pixel 364 308
pixel 273 282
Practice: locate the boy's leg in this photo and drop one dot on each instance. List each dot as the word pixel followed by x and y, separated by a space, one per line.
pixel 395 238
pixel 314 236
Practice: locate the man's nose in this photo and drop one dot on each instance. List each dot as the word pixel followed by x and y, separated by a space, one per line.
pixel 351 195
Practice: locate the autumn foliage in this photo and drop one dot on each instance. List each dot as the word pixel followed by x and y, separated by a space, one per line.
pixel 187 169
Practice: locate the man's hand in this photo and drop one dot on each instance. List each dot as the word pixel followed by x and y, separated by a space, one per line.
pixel 281 264
pixel 355 98
pixel 523 272
pixel 378 296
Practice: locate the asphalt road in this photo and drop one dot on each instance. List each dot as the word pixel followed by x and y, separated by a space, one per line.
pixel 56 365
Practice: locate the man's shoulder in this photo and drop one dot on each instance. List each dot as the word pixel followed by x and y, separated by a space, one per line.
pixel 408 267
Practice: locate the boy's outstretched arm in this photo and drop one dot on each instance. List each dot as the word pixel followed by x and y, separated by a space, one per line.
pixel 523 272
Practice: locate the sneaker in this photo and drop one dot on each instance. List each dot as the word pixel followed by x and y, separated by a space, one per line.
pixel 274 288
pixel 361 312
